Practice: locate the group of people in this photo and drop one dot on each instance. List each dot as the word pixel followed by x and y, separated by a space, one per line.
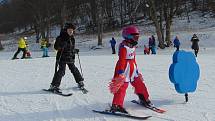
pixel 23 46
pixel 194 40
pixel 65 46
pixel 126 70
pixel 151 46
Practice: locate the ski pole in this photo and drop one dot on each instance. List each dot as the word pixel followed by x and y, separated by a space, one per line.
pixel 58 60
pixel 78 59
pixel 80 65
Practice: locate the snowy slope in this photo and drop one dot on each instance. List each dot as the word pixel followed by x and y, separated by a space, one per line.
pixel 21 98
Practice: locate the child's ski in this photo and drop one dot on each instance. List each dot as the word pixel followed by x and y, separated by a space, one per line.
pixel 61 94
pixel 122 115
pixel 151 107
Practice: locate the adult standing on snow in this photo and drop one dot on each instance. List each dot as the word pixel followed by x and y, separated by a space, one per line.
pixel 152 44
pixel 113 44
pixel 22 44
pixel 44 46
pixel 195 45
pixel 176 43
pixel 65 46
pixel 126 71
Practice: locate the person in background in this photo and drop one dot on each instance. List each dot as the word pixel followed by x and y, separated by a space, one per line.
pixel 176 43
pixel 152 45
pixel 146 50
pixel 22 44
pixel 28 53
pixel 44 47
pixel 195 45
pixel 113 44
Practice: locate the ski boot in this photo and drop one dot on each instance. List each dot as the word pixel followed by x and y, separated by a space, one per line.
pixel 14 58
pixel 55 89
pixel 81 84
pixel 116 108
pixel 143 101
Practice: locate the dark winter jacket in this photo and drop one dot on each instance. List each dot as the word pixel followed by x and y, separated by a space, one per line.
pixel 65 45
pixel 176 42
pixel 153 39
pixel 113 42
pixel 151 42
pixel 195 44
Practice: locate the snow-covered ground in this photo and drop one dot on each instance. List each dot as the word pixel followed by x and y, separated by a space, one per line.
pixel 22 81
pixel 21 98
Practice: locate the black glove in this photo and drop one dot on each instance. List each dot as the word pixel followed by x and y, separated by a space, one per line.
pixel 76 51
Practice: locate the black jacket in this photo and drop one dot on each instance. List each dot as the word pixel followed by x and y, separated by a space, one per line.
pixel 195 44
pixel 65 45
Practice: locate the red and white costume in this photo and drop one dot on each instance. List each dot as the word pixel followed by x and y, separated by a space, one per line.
pixel 127 66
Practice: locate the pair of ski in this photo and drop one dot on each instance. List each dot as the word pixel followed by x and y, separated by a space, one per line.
pixel 151 107
pixel 82 89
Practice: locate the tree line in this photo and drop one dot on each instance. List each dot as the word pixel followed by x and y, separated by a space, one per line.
pixel 97 15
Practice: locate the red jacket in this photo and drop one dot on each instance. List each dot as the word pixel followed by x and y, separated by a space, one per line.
pixel 126 54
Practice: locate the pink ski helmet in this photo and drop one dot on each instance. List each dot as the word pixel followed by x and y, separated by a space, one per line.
pixel 130 32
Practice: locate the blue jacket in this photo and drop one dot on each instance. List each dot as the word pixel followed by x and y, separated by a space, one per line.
pixel 113 42
pixel 176 42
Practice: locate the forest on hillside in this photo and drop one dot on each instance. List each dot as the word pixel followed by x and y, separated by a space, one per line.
pixel 98 16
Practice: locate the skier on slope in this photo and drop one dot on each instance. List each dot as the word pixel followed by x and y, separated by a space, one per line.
pixel 152 45
pixel 113 44
pixel 65 46
pixel 22 44
pixel 195 45
pixel 44 47
pixel 176 43
pixel 126 71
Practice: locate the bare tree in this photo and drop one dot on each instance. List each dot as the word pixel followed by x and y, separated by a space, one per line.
pixel 97 15
pixel 153 15
pixel 44 12
pixel 170 9
pixel 94 10
pixel 100 21
pixel 162 14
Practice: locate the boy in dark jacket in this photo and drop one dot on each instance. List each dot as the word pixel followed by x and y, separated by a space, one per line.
pixel 195 45
pixel 113 44
pixel 65 46
pixel 176 43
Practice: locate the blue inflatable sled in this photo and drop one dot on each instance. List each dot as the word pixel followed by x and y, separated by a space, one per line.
pixel 184 72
